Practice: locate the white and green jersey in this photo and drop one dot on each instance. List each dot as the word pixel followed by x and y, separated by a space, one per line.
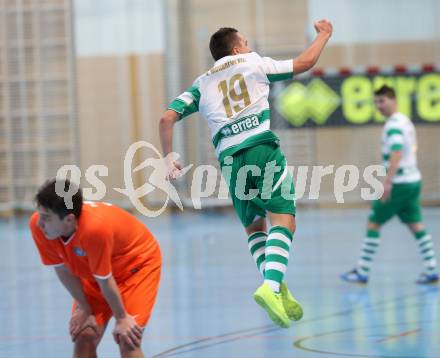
pixel 399 134
pixel 233 97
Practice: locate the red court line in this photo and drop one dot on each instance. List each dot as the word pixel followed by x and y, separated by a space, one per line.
pixel 403 334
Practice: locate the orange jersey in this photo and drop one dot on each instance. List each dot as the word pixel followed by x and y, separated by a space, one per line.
pixel 108 241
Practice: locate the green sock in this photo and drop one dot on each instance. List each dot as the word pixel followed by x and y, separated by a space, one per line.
pixel 368 251
pixel 426 250
pixel 257 244
pixel 277 256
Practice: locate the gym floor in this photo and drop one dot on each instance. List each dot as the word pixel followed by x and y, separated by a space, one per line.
pixel 205 306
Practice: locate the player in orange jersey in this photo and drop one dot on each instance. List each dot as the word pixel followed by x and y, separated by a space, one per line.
pixel 108 261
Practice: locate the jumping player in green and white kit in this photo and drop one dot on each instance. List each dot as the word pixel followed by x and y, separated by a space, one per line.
pixel 402 187
pixel 233 97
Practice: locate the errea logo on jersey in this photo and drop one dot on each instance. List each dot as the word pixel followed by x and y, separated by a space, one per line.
pixel 241 125
pixel 226 132
pixel 245 124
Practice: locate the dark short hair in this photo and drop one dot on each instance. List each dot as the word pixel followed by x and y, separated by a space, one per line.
pixel 222 42
pixel 48 198
pixel 385 91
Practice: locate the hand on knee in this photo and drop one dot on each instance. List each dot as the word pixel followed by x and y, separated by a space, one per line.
pixel 88 335
pixel 86 343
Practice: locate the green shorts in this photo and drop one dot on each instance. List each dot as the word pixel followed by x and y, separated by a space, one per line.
pixel 404 202
pixel 259 182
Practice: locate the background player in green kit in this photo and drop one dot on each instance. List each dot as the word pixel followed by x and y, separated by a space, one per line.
pixel 402 187
pixel 233 97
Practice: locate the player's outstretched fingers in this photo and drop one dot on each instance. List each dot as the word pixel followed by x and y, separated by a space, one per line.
pixel 138 331
pixel 130 339
pixel 134 339
pixel 125 343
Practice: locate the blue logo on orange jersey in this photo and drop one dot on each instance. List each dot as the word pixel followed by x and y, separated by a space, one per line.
pixel 78 251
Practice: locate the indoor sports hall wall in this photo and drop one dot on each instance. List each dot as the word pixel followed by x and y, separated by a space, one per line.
pixel 38 105
pixel 283 28
pixel 81 80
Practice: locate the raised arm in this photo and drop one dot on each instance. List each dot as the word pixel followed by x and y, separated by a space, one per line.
pixel 308 58
pixel 181 107
pixel 166 126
